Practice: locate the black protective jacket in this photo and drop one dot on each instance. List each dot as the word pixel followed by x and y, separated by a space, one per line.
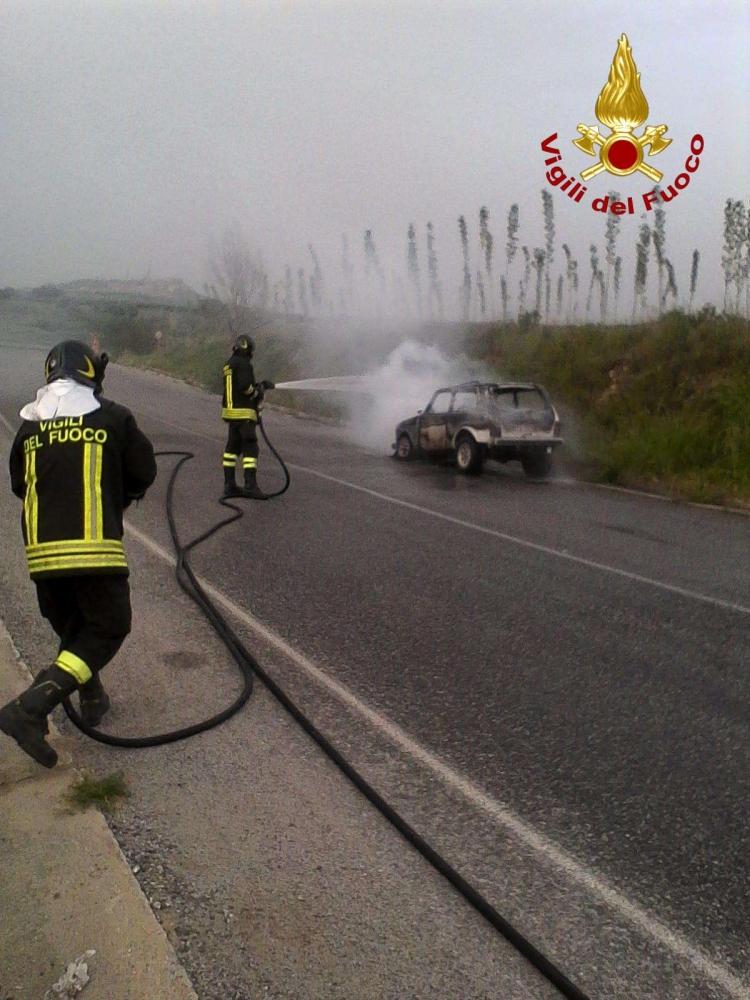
pixel 75 476
pixel 240 397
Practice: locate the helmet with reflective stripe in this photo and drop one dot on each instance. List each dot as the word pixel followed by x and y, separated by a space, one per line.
pixel 243 345
pixel 77 361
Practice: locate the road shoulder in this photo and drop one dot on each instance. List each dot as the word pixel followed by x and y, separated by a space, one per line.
pixel 68 885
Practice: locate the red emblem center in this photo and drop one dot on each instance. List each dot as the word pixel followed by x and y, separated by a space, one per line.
pixel 622 154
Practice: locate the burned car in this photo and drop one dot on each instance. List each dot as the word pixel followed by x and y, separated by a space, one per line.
pixel 476 421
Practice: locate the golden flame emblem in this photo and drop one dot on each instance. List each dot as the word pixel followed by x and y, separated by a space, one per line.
pixel 622 107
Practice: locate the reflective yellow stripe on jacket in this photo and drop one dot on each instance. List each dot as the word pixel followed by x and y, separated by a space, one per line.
pixel 93 520
pixel 103 553
pixel 31 500
pixel 228 384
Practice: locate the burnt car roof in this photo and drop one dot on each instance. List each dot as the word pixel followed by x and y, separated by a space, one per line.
pixel 489 385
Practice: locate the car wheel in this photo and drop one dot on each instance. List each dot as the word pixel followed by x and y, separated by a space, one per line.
pixel 537 464
pixel 469 458
pixel 404 448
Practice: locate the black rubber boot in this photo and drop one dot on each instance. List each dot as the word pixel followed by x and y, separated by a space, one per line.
pixel 231 489
pixel 251 484
pixel 25 718
pixel 94 701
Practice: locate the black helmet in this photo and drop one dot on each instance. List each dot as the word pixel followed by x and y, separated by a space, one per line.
pixel 72 359
pixel 243 345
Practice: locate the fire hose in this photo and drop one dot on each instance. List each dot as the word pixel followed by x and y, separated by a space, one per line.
pixel 249 668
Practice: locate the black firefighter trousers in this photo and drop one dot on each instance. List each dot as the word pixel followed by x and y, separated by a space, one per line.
pixel 90 614
pixel 242 439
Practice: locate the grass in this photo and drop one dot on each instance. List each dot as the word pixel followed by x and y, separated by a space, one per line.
pixel 104 792
pixel 664 404
pixel 201 362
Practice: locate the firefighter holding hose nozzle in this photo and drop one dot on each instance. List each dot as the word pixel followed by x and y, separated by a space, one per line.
pixel 241 403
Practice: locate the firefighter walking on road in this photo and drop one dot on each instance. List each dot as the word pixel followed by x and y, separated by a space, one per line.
pixel 77 462
pixel 241 403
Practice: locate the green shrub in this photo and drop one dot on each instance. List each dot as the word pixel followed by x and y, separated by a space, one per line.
pixel 125 328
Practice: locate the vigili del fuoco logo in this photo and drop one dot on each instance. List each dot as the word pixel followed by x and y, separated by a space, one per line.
pixel 621 107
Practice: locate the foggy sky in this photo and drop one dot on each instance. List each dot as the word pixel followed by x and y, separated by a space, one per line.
pixel 133 133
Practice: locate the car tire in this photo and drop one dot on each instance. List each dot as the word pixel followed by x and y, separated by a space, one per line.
pixel 469 456
pixel 537 464
pixel 404 449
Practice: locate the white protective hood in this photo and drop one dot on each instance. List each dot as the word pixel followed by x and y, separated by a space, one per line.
pixel 62 398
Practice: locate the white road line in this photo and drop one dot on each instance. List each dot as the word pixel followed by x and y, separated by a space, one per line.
pixel 454 780
pixel 502 536
pixel 535 546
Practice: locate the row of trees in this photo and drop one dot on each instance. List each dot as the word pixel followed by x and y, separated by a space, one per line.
pixel 525 281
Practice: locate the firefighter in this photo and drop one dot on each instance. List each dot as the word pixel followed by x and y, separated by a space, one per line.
pixel 241 402
pixel 77 462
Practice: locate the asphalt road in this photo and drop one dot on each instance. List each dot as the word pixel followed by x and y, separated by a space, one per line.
pixel 549 680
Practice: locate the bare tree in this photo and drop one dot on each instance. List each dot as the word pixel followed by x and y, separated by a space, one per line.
pixel 373 268
pixel 539 256
pixel 511 246
pixel 595 272
pixel 316 279
pixel 671 285
pixel 487 244
pixel 617 279
pixel 693 277
pixel 734 257
pixel 288 290
pixel 372 260
pixel 740 241
pixel 602 295
pixel 727 254
pixel 436 291
pixel 302 287
pixel 466 286
pixel 480 292
pixel 659 239
pixel 347 269
pixel 523 284
pixel 413 264
pixel 611 230
pixel 641 267
pixel 571 275
pixel 240 277
pixel 548 209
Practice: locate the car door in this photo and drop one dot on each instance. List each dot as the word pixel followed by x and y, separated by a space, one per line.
pixel 433 435
pixel 463 410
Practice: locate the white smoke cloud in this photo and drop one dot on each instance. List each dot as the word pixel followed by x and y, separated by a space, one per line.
pixel 380 398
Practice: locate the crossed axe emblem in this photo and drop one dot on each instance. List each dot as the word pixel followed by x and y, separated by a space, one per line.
pixel 592 137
